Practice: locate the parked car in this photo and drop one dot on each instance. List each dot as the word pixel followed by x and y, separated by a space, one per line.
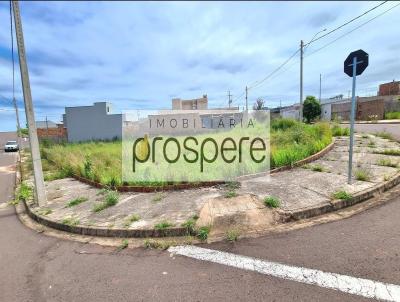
pixel 11 146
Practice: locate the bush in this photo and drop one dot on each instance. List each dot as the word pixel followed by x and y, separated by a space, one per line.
pixel 271 202
pixel 392 115
pixel 311 109
pixel 342 195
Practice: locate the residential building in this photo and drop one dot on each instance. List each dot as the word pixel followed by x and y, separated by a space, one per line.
pixel 194 104
pixel 391 88
pixel 292 112
pixel 97 122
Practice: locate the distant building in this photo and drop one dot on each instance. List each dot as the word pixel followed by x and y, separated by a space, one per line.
pixel 195 104
pixel 391 88
pixel 292 112
pixel 97 122
pixel 45 124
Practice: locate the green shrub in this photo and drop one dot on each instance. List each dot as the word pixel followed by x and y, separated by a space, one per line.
pixel 392 115
pixel 189 225
pixel 342 195
pixel 271 202
pixel 202 232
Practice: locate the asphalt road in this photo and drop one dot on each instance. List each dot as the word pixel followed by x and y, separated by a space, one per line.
pixel 35 267
pixel 393 129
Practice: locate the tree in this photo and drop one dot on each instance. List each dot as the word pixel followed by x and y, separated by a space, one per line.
pixel 311 109
pixel 259 104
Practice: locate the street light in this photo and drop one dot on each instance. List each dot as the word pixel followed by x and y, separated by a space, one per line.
pixel 301 70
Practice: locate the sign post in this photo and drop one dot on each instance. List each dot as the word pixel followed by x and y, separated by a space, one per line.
pixel 354 65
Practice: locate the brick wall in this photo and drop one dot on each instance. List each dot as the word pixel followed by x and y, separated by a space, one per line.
pixel 55 134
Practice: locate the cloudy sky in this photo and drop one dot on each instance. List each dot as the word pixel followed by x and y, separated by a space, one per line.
pixel 140 55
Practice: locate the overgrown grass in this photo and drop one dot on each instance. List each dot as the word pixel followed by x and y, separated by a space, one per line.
pixel 271 202
pixel 290 141
pixel 387 163
pixel 110 199
pixel 76 201
pixel 343 195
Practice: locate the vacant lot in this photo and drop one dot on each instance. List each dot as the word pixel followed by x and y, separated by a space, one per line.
pixel 290 141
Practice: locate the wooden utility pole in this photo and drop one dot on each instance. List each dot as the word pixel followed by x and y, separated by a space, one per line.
pixel 30 116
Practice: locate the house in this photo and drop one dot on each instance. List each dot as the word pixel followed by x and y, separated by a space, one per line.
pixel 194 104
pixel 292 112
pixel 50 130
pixel 391 88
pixel 96 122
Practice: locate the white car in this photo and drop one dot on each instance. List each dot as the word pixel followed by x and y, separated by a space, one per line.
pixel 11 146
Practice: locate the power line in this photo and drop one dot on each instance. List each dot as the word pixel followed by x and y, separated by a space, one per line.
pixel 349 32
pixel 346 23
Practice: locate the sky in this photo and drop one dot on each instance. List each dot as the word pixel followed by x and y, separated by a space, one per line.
pixel 140 55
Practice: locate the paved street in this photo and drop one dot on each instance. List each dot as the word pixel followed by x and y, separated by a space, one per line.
pixel 393 129
pixel 40 268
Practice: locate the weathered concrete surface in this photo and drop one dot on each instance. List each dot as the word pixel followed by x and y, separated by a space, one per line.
pixel 296 189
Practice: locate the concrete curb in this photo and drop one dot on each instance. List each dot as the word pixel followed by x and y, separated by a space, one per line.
pixel 106 232
pixel 339 203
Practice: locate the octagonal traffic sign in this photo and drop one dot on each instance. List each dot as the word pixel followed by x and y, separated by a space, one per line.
pixel 361 65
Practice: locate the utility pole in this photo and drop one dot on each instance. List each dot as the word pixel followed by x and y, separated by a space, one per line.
pixel 247 104
pixel 229 99
pixel 47 128
pixel 320 80
pixel 301 80
pixel 30 117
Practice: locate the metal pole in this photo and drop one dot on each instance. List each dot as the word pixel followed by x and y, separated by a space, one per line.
pixel 320 80
pixel 30 117
pixel 353 109
pixel 247 105
pixel 301 80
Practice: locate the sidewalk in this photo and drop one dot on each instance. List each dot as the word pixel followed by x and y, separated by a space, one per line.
pixel 308 187
pixel 375 122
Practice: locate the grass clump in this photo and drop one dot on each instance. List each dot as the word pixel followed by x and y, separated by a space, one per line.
pixel 157 197
pixel 339 131
pixel 384 135
pixel 76 201
pixel 71 221
pixel 202 232
pixel 124 244
pixel 387 163
pixel 44 212
pixel 163 225
pixel 271 202
pixel 110 199
pixel 190 224
pixel 230 194
pixel 362 174
pixel 317 168
pixel 371 144
pixel 393 152
pixel 131 219
pixel 232 235
pixel 24 192
pixel 343 195
pixel 160 244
